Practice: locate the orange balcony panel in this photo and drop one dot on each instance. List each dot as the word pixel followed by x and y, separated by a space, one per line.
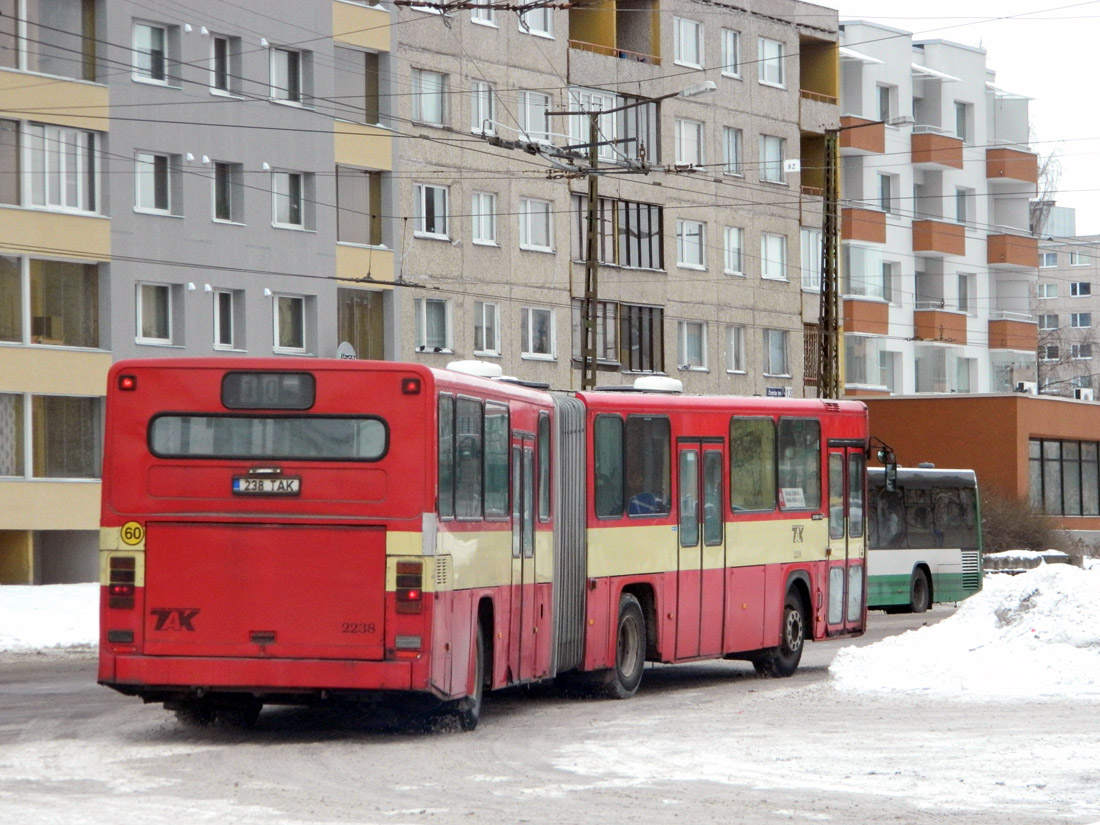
pixel 939 150
pixel 939 325
pixel 863 225
pixel 938 237
pixel 871 317
pixel 1022 335
pixel 1012 252
pixel 860 138
pixel 1011 164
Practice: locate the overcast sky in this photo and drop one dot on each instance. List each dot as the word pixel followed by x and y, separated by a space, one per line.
pixel 1045 50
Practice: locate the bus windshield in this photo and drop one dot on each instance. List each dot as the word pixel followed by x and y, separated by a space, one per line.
pixel 313 437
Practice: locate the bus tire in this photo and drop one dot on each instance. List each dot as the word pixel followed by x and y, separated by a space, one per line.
pixel 783 660
pixel 622 680
pixel 467 711
pixel 920 592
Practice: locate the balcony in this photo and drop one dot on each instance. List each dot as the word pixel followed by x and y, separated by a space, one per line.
pixel 935 324
pixel 1011 165
pixel 867 225
pixel 859 139
pixel 1012 252
pixel 1013 331
pixel 934 150
pixel 869 316
pixel 628 30
pixel 933 238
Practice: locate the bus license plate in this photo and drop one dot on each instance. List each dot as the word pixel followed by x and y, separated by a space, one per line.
pixel 267 486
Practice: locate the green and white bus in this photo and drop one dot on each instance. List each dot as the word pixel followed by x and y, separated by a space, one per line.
pixel 925 538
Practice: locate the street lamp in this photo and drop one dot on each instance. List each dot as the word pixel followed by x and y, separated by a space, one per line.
pixel 591 264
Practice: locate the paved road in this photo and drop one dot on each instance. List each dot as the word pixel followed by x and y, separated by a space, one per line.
pixel 700 743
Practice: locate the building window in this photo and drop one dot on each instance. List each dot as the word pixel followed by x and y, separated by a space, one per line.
pixel 433 325
pixel 289 323
pixel 154 314
pixel 890 290
pixel 1046 291
pixel 538 21
pixel 483 218
pixel 580 131
pixel 1080 320
pixel 1048 322
pixel 150 53
pixel 690 244
pixel 228 192
pixel 735 349
pixel 430 211
pixel 731 53
pixel 689 142
pixel 532 118
pixel 606 323
pixel 965 302
pixel 775 352
pixel 13 443
pixel 54 38
pixel 225 327
pixel 1081 352
pixel 962 121
pixel 773 256
pixel 1048 259
pixel 1079 289
pixel 482 12
pixel 1048 352
pixel 885 102
pixel 811 259
pixel 225 64
pixel 11 300
pixel 688 36
pixel 886 187
pixel 731 150
pixel 863 271
pixel 486 328
pixel 428 89
pixel 535 225
pixel 289 199
pixel 770 61
pixel 10 163
pixel 64 302
pixel 356 95
pixel 358 206
pixel 63 168
pixel 537 333
pixel 734 263
pixel 693 345
pixel 771 158
pixel 361 321
pixel 641 339
pixel 66 432
pixel 287 75
pixel 153 183
pixel 482 108
pixel 963 199
pixel 628 233
pixel 1077 258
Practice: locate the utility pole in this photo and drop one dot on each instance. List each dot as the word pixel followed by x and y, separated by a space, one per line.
pixel 828 364
pixel 591 261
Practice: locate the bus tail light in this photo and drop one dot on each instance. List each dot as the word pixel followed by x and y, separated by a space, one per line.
pixel 120 588
pixel 127 382
pixel 410 584
pixel 410 386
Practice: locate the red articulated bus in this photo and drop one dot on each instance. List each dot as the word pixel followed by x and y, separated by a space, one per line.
pixel 283 531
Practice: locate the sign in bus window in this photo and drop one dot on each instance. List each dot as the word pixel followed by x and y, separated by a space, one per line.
pixel 268 390
pixel 752 464
pixel 297 437
pixel 799 473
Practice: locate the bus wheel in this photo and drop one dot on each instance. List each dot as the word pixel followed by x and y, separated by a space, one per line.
pixel 920 593
pixel 195 714
pixel 783 661
pixel 467 711
pixel 621 681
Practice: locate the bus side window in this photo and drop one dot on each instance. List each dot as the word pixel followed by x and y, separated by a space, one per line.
pixel 496 461
pixel 446 458
pixel 752 464
pixel 468 446
pixel 648 470
pixel 608 466
pixel 799 464
pixel 544 466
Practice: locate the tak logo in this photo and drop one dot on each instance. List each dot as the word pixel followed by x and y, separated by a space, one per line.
pixel 796 534
pixel 174 618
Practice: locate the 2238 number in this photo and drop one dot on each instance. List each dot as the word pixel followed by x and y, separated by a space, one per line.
pixel 357 627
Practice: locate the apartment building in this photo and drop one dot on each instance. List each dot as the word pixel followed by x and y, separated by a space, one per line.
pixel 701 209
pixel 1067 310
pixel 174 180
pixel 938 261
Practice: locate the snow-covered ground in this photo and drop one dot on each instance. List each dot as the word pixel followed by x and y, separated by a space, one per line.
pixel 1030 635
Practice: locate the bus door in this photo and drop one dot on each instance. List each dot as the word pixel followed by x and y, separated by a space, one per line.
pixel 847 538
pixel 702 548
pixel 523 641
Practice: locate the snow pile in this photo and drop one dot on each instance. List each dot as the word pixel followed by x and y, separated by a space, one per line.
pixel 48 616
pixel 1035 634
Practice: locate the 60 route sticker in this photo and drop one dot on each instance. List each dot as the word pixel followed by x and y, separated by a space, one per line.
pixel 132 533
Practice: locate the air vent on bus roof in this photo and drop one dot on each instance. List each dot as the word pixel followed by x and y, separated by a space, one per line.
pixel 482 369
pixel 658 383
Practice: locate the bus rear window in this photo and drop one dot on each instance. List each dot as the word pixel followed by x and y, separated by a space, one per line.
pixel 308 438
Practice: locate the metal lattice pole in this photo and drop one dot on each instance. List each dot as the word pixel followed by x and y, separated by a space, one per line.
pixel 828 367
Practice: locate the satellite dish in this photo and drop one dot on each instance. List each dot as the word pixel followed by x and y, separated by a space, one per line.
pixel 345 350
